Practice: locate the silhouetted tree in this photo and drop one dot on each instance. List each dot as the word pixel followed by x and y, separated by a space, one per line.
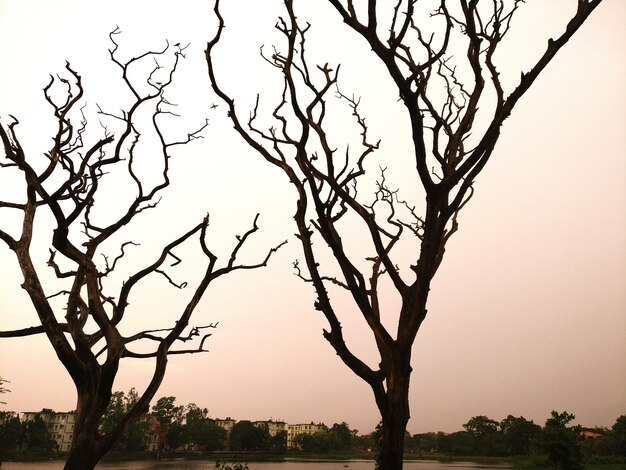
pixel 166 412
pixel 200 430
pixel 455 112
pixel 457 443
pixel 246 435
pixel 519 434
pixel 36 437
pixel 344 435
pixel 618 435
pixel 560 442
pixel 485 434
pixel 278 442
pixel 169 423
pixel 423 442
pixel 72 185
pixel 11 432
pixel 319 442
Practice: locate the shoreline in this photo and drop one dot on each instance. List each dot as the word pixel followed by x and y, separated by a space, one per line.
pixel 524 462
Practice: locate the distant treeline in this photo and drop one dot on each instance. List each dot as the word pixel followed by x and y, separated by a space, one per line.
pixel 557 444
pixel 170 427
pixel 23 436
pixel 513 436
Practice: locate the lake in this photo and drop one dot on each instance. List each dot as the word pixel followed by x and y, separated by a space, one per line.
pixel 285 465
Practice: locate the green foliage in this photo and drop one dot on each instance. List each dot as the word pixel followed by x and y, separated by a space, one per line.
pixel 35 437
pixel 169 418
pixel 561 420
pixel 484 434
pixel 481 426
pixel 343 435
pixel 201 430
pixel 11 432
pixel 560 443
pixel 278 443
pixel 365 442
pixel 557 445
pixel 613 441
pixel 178 426
pixel 27 436
pixel 619 436
pixel 336 439
pixel 513 436
pixel 424 442
pixel 248 436
pixel 457 443
pixel 134 439
pixel 518 434
pixel 166 412
pixel 319 442
pixel 114 412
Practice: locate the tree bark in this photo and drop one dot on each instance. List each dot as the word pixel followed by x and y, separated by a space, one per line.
pixel 394 409
pixel 87 449
pixel 392 440
pixel 83 455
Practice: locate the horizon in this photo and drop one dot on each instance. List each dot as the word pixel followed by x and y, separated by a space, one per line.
pixel 575 421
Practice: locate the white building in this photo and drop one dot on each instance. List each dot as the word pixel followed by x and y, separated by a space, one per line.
pixel 60 426
pixel 273 427
pixel 294 430
pixel 227 424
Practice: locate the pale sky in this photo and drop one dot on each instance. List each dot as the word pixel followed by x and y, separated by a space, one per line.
pixel 528 311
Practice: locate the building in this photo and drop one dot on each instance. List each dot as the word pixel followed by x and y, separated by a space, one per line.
pixel 587 433
pixel 294 430
pixel 150 438
pixel 60 426
pixel 227 424
pixel 273 427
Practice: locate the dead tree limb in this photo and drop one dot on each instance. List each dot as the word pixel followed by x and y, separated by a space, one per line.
pixel 450 147
pixel 69 186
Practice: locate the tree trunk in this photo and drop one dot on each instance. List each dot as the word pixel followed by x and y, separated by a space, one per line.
pixel 86 449
pixel 82 456
pixel 395 415
pixel 392 442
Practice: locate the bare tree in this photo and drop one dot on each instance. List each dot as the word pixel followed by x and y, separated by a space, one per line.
pixel 82 319
pixel 453 135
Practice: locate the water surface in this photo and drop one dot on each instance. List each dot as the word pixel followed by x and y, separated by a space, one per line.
pixel 285 465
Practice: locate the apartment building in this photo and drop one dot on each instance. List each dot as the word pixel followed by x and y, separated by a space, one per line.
pixel 60 426
pixel 294 430
pixel 227 424
pixel 273 427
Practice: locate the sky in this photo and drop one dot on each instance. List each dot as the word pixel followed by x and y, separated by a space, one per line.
pixel 527 313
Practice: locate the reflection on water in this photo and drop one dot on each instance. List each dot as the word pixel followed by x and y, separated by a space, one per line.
pixel 288 465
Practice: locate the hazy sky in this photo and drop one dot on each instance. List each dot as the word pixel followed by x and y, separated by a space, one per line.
pixel 528 311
